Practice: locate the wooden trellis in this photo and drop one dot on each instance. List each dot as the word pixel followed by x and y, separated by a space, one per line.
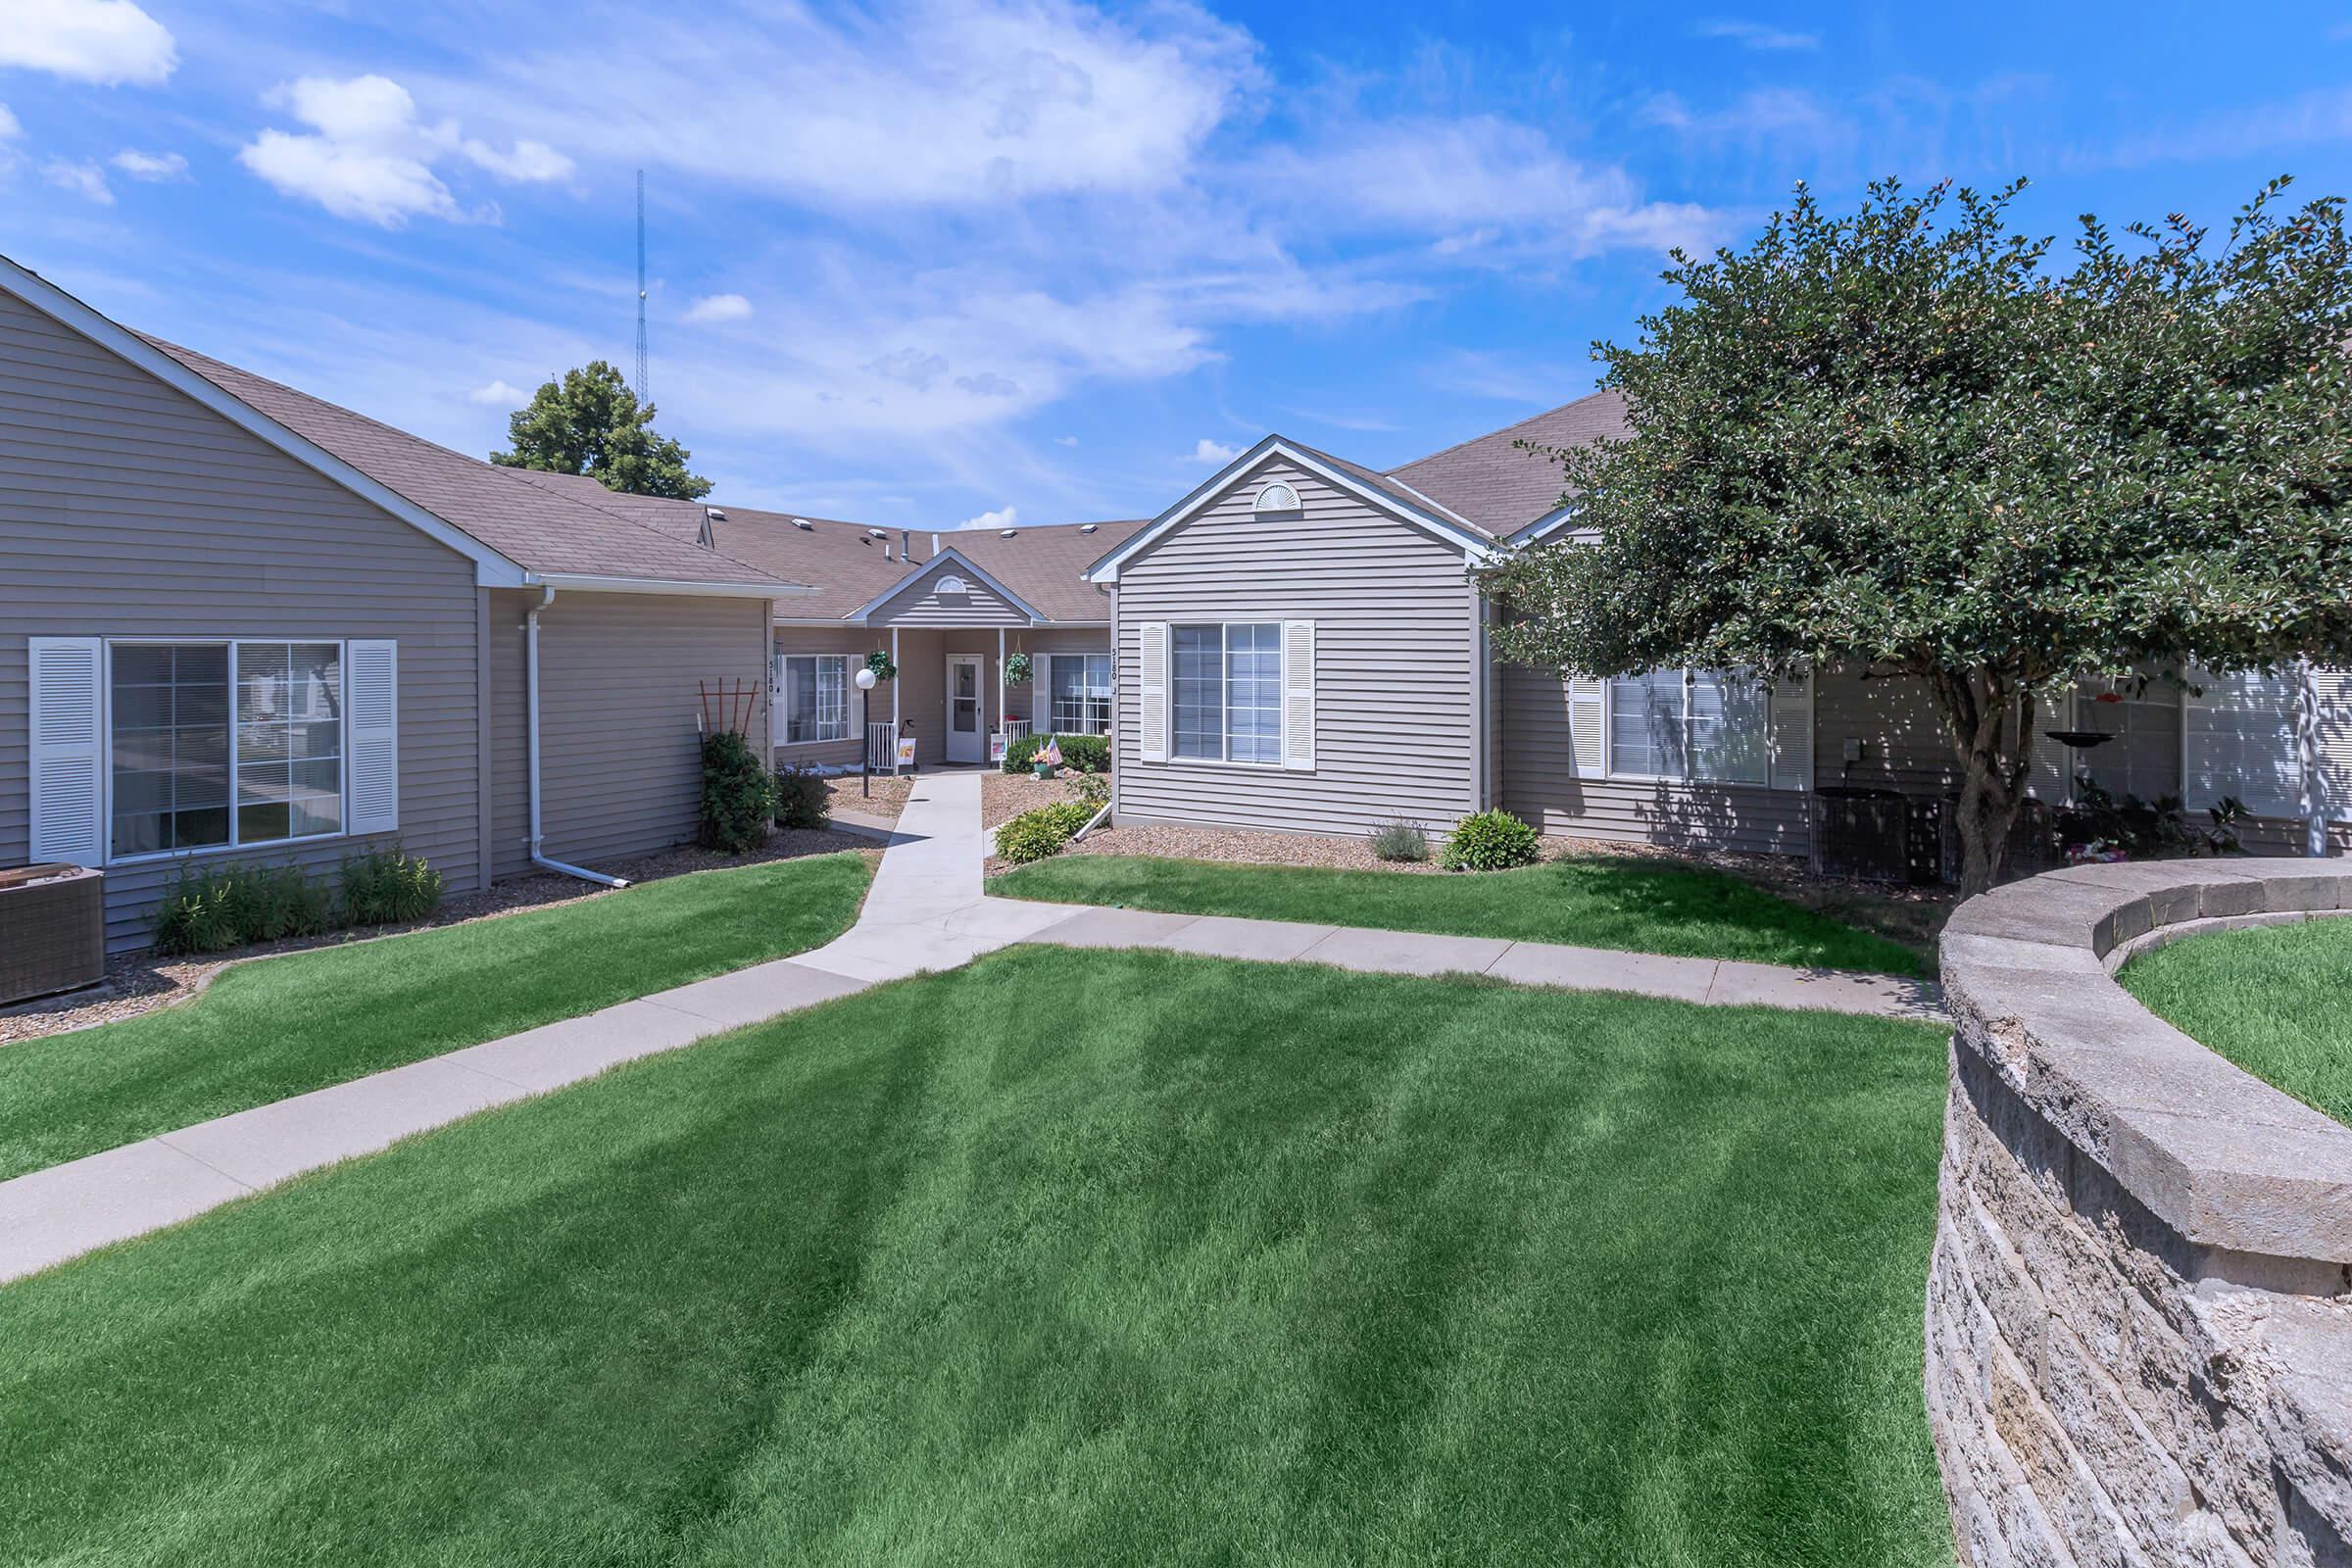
pixel 727 707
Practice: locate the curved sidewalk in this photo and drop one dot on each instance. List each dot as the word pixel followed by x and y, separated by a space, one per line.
pixel 926 910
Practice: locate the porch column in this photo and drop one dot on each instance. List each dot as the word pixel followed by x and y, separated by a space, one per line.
pixel 1004 686
pixel 894 683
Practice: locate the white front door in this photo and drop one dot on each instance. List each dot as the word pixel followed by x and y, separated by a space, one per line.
pixel 965 743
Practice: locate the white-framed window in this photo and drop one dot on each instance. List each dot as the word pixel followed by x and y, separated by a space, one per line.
pixel 223 744
pixel 1078 694
pixel 1228 691
pixel 816 698
pixel 1699 725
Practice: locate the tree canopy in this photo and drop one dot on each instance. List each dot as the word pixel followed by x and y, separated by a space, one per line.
pixel 590 422
pixel 1901 440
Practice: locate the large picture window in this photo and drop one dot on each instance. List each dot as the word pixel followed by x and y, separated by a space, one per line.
pixel 816 698
pixel 1079 698
pixel 1708 725
pixel 213 745
pixel 2144 717
pixel 1228 691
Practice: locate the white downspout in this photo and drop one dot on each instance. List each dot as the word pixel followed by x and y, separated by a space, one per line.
pixel 530 679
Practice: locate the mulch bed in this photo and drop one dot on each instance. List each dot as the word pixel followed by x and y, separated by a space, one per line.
pixel 1005 795
pixel 886 798
pixel 141 982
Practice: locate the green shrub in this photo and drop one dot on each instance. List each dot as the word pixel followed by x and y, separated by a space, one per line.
pixel 269 904
pixel 1034 835
pixel 802 800
pixel 1094 789
pixel 1492 841
pixel 1401 841
pixel 199 915
pixel 387 887
pixel 738 795
pixel 1088 754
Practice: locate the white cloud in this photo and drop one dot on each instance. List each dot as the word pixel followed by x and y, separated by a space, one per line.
pixel 82 180
pixel 1758 35
pixel 1001 518
pixel 109 42
pixel 1066 440
pixel 10 131
pixel 940 103
pixel 498 394
pixel 368 158
pixel 1214 453
pixel 149 167
pixel 712 307
pixel 1474 177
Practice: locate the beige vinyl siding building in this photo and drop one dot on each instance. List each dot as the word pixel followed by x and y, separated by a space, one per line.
pixel 1394 719
pixel 129 510
pixel 621 766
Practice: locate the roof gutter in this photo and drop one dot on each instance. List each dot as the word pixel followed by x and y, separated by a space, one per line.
pixel 530 665
pixel 591 583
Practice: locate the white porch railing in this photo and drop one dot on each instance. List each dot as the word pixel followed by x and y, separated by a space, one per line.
pixel 882 747
pixel 1014 730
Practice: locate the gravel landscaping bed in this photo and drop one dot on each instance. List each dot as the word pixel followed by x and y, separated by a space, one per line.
pixel 885 800
pixel 141 982
pixel 1005 795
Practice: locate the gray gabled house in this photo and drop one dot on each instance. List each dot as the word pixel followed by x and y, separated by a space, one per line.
pixel 238 622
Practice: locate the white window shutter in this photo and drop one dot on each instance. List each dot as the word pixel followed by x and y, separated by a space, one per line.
pixel 1588 728
pixel 1041 693
pixel 373 675
pixel 68 749
pixel 2237 737
pixel 2335 689
pixel 1152 722
pixel 1792 743
pixel 2051 778
pixel 1299 696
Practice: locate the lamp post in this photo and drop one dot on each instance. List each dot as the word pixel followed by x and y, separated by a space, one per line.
pixel 865 730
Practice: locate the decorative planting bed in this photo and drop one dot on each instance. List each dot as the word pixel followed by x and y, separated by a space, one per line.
pixel 2139 1313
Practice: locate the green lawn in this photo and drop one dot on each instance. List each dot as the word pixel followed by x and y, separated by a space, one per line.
pixel 1591 902
pixel 2272 1000
pixel 1263 1264
pixel 284 1026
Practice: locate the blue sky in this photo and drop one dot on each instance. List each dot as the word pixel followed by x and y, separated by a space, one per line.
pixel 922 263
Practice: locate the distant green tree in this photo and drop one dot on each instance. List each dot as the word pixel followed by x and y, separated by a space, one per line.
pixel 1896 440
pixel 590 422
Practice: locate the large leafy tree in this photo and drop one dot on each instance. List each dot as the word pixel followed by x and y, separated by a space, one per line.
pixel 1904 441
pixel 590 422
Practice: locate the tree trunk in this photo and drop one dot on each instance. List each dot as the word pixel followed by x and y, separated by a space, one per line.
pixel 1976 706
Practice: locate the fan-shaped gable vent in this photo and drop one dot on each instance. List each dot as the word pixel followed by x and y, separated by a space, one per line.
pixel 953 585
pixel 1277 497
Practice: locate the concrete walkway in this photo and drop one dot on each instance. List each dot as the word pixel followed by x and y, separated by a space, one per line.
pixel 925 910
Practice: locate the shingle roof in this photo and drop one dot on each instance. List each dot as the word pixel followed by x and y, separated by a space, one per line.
pixel 849 563
pixel 1404 493
pixel 543 522
pixel 1501 488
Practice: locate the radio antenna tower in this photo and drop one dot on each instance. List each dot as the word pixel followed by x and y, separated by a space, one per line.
pixel 645 393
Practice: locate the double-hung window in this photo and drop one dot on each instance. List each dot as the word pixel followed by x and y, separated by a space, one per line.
pixel 221 744
pixel 1079 698
pixel 816 698
pixel 1710 725
pixel 1228 691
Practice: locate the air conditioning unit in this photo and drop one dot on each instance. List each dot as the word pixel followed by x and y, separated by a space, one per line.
pixel 52 930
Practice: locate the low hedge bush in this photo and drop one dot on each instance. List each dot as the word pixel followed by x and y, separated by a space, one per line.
pixel 1401 841
pixel 223 907
pixel 1088 754
pixel 738 796
pixel 387 887
pixel 802 800
pixel 1492 841
pixel 1034 835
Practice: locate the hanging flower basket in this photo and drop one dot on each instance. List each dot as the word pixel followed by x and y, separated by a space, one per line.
pixel 1017 671
pixel 879 663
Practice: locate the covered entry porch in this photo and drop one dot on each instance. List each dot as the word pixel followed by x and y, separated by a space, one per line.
pixel 954 695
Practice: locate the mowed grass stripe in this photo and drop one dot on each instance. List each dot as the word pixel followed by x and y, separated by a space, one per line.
pixel 1063 1256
